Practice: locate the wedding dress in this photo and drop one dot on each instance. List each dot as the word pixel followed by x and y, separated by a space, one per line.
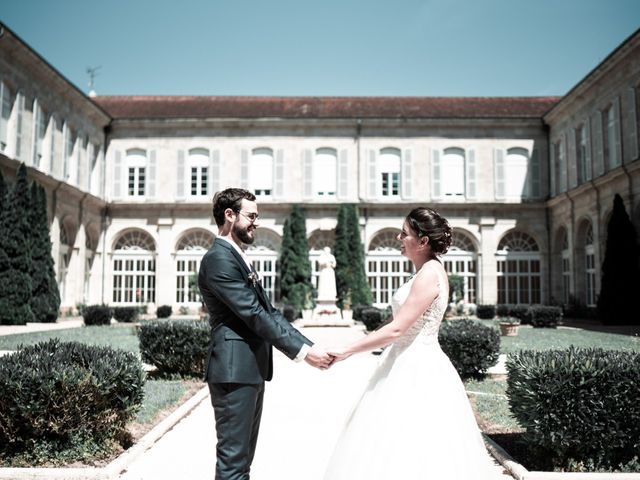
pixel 414 420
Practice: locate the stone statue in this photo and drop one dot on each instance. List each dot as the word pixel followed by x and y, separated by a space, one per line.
pixel 327 277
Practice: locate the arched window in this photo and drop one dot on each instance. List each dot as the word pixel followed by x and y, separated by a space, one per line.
pixel 518 262
pixel 386 268
pixel 453 172
pixel 590 267
pixel 136 172
pixel 389 172
pixel 516 166
pixel 462 260
pixel 263 253
pixel 261 171
pixel 134 269
pixel 325 164
pixel 189 251
pixel 317 241
pixel 198 171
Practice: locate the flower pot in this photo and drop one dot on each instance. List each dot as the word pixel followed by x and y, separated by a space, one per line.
pixel 509 329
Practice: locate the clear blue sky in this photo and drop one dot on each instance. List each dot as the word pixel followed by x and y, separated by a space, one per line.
pixel 324 47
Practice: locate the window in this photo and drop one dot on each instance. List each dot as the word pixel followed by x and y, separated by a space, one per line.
pixel 136 172
pixel 69 167
pixel 134 265
pixel 610 139
pixel 452 168
pixel 590 268
pixel 386 268
pixel 516 166
pixel 324 172
pixel 518 262
pixel 583 159
pixel 189 252
pixel 389 172
pixel 6 104
pixel 261 172
pixel 40 128
pixel 462 260
pixel 198 172
pixel 19 124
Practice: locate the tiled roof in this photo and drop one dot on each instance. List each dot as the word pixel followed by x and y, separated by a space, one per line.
pixel 138 107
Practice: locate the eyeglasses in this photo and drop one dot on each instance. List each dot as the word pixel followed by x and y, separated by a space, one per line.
pixel 252 217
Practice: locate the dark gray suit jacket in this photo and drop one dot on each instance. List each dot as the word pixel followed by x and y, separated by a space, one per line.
pixel 244 324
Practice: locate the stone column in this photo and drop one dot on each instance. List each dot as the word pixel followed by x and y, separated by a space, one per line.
pixel 487 262
pixel 165 264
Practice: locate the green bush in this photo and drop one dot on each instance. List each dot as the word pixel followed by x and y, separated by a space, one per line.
pixel 578 405
pixel 372 318
pixel 358 309
pixel 471 346
pixel 486 312
pixel 126 314
pixel 175 347
pixel 164 311
pixel 65 400
pixel 97 315
pixel 544 316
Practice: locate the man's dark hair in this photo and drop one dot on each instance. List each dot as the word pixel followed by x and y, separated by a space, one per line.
pixel 229 198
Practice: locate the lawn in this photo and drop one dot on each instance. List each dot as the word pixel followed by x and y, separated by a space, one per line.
pixel 490 400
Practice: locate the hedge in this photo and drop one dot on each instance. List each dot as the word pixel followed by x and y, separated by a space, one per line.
pixel 486 312
pixel 97 315
pixel 164 311
pixel 126 314
pixel 471 346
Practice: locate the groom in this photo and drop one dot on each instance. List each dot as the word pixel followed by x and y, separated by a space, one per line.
pixel 244 327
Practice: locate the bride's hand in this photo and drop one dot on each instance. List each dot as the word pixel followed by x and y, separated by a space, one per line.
pixel 338 353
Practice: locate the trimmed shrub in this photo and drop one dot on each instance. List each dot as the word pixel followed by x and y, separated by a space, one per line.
pixel 372 318
pixel 471 346
pixel 520 312
pixel 164 311
pixel 97 315
pixel 544 316
pixel 289 312
pixel 65 401
pixel 503 309
pixel 126 314
pixel 486 312
pixel 578 405
pixel 357 311
pixel 175 347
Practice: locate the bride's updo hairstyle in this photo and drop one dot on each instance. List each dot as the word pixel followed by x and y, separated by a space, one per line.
pixel 426 222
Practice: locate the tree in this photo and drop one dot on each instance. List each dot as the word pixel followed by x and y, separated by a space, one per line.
pixel 15 255
pixel 351 278
pixel 295 269
pixel 3 192
pixel 45 296
pixel 620 270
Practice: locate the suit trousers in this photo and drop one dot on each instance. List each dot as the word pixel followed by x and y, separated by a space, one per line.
pixel 237 409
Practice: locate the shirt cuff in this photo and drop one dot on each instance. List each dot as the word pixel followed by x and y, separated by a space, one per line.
pixel 302 354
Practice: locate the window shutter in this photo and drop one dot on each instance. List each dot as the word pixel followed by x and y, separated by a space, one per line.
pixel 244 169
pixel 343 175
pixel 634 149
pixel 435 174
pixel 52 144
pixel 534 179
pixel 572 163
pixel 563 166
pixel 588 155
pixel 407 177
pixel 371 175
pixel 213 185
pixel 307 174
pixel 278 174
pixel 598 160
pixel 616 116
pixel 498 157
pixel 470 173
pixel 19 126
pixel 117 174
pixel 150 191
pixel 180 175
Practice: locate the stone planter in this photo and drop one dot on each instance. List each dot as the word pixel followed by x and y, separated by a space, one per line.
pixel 509 329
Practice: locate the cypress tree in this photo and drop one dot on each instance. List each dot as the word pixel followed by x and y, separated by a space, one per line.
pixel 620 270
pixel 295 269
pixel 3 192
pixel 349 252
pixel 45 296
pixel 15 255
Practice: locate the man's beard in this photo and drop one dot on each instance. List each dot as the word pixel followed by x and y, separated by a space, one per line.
pixel 242 234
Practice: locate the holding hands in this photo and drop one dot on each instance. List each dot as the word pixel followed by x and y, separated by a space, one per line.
pixel 323 358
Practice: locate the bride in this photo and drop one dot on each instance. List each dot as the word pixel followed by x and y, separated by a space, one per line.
pixel 413 420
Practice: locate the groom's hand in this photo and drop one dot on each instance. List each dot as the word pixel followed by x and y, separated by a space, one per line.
pixel 318 357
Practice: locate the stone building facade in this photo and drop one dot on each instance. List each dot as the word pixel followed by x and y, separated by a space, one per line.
pixel 526 182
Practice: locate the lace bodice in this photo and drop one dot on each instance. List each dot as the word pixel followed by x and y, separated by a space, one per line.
pixel 425 329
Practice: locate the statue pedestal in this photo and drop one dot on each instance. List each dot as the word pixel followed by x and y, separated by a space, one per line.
pixel 326 314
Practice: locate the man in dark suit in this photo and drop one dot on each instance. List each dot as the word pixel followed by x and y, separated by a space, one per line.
pixel 244 327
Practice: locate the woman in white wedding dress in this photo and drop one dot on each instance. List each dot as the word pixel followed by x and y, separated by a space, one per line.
pixel 414 420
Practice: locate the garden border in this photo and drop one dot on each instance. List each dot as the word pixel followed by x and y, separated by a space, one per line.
pixel 114 469
pixel 519 472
